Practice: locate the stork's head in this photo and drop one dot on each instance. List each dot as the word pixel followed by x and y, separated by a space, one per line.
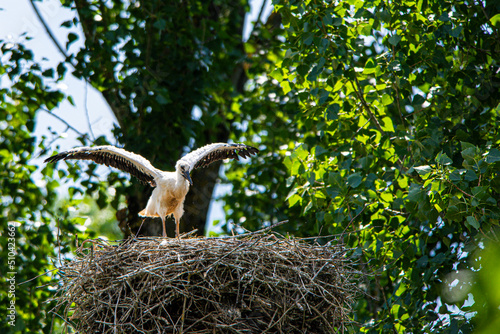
pixel 183 168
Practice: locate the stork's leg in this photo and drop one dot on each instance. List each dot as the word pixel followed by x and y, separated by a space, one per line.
pixel 177 216
pixel 177 228
pixel 164 229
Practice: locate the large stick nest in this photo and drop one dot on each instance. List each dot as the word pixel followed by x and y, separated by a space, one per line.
pixel 256 284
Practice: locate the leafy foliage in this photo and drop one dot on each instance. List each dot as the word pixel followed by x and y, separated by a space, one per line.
pixel 265 115
pixel 397 148
pixel 34 234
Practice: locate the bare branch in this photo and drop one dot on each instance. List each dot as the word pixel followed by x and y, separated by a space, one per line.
pixel 87 110
pixel 359 92
pixel 47 29
pixel 65 123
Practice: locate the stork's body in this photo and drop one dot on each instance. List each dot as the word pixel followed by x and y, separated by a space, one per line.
pixel 167 198
pixel 170 187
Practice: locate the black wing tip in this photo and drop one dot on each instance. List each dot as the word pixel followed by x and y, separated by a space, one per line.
pixel 55 157
pixel 249 151
pixel 248 148
pixel 65 155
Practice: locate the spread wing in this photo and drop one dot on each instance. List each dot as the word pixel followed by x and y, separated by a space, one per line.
pixel 131 163
pixel 207 154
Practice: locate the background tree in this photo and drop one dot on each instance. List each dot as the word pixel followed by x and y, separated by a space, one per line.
pixel 33 233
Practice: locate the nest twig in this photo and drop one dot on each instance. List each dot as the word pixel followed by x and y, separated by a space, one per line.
pixel 255 284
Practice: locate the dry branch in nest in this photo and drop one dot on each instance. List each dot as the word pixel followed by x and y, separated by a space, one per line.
pixel 256 284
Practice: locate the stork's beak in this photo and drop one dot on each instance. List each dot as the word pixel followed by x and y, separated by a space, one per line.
pixel 187 177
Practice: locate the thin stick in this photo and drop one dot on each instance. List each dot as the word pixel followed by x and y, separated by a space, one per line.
pixel 265 229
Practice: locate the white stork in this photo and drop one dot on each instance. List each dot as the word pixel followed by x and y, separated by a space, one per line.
pixel 170 188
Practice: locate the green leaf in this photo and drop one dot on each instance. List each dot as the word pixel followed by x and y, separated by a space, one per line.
pixel 294 199
pixel 455 176
pixel 455 32
pixel 286 86
pixel 416 194
pixel 72 37
pixel 423 261
pixel 319 150
pixel 300 152
pixel 302 70
pixel 469 153
pixel 337 21
pixel 480 192
pixel 162 99
pixel 334 178
pixel 465 145
pixel 453 213
pixel 494 154
pixel 471 221
pixel 277 74
pixel 495 20
pixel 443 159
pixel 79 220
pixel 370 66
pixel 327 20
pixel 354 180
pixel 71 100
pixel 394 40
pixel 423 171
pixel 328 218
pixel 470 176
pixel 67 24
pixel 387 99
pixel 49 73
pixel 387 124
pixel 160 24
pixel 308 38
pixel 332 112
pixel 308 207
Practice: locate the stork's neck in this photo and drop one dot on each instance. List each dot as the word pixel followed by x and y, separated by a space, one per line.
pixel 181 180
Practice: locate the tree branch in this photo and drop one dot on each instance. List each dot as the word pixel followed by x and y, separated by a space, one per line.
pixel 85 135
pixel 259 17
pixel 85 106
pixel 66 58
pixel 359 92
pixel 47 29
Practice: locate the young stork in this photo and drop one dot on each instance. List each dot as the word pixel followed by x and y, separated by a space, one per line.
pixel 170 188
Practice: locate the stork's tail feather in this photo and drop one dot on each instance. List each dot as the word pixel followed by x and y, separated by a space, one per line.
pixel 144 214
